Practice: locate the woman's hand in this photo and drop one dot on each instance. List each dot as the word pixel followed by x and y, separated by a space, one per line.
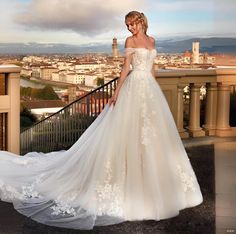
pixel 113 99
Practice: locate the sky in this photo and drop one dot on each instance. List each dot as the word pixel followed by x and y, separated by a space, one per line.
pixel 81 22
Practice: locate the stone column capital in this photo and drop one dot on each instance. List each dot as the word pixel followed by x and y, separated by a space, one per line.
pixel 223 87
pixel 196 85
pixel 181 85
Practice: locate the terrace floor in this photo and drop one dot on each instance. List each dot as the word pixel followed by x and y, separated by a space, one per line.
pixel 224 209
pixel 225 180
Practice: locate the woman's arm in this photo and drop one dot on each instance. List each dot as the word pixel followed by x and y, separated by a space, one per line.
pixel 124 72
pixel 154 46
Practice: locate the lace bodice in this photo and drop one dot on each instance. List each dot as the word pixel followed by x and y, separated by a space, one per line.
pixel 142 58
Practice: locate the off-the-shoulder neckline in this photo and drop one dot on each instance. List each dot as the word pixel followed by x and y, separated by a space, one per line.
pixel 140 48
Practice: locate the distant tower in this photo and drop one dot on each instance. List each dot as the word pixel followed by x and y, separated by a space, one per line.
pixel 195 52
pixel 114 48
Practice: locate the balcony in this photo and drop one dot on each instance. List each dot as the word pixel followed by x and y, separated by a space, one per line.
pixel 219 83
pixel 10 108
pixel 212 137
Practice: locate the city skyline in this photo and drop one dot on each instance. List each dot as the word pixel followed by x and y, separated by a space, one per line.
pixel 96 21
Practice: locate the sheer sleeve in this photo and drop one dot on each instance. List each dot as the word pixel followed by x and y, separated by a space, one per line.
pixel 129 51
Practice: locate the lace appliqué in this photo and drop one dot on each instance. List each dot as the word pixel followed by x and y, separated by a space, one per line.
pixel 140 63
pixel 29 191
pixel 63 205
pixel 62 208
pixel 109 196
pixel 142 59
pixel 8 193
pixel 186 179
pixel 147 130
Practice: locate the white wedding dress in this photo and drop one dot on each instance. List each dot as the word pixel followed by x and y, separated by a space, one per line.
pixel 130 164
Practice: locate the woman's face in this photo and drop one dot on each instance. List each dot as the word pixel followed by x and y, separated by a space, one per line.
pixel 132 26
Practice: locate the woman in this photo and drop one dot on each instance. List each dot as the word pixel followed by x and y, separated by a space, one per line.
pixel 130 164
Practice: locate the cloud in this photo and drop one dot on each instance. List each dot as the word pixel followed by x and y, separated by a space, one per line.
pixel 224 6
pixel 181 5
pixel 86 17
pixel 225 17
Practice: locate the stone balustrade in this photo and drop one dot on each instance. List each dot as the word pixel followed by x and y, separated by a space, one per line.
pixel 217 83
pixel 10 108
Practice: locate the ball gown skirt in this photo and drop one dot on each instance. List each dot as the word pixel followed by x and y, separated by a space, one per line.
pixel 130 164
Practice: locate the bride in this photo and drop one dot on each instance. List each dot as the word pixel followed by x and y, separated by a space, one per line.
pixel 130 164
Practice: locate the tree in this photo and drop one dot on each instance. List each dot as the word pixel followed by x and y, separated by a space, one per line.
pixel 47 93
pixel 100 82
pixel 27 118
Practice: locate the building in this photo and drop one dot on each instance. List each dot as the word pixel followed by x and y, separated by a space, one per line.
pixel 187 57
pixel 74 78
pixel 55 76
pixel 88 66
pixel 91 80
pixel 44 108
pixel 195 52
pixel 115 52
pixel 46 72
pixel 26 72
pixel 35 71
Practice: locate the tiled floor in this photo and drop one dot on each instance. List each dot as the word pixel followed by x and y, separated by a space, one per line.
pixel 225 169
pixel 225 181
pixel 225 172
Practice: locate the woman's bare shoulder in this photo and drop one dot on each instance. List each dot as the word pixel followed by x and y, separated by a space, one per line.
pixel 152 40
pixel 129 42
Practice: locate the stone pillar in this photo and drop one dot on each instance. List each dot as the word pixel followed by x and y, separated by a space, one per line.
pixel 194 111
pixel 223 109
pixel 179 118
pixel 13 117
pixel 211 109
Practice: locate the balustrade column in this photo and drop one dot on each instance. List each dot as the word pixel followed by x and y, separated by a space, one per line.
pixel 211 109
pixel 194 111
pixel 223 109
pixel 13 119
pixel 179 120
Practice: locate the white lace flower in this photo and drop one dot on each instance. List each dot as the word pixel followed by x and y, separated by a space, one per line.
pixel 29 192
pixel 108 195
pixel 8 193
pixel 186 179
pixel 62 208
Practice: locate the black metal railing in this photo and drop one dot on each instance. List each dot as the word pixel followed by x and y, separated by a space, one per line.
pixel 62 129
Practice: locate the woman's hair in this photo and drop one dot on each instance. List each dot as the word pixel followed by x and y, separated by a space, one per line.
pixel 138 17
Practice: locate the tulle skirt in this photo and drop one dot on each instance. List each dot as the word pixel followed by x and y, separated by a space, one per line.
pixel 130 164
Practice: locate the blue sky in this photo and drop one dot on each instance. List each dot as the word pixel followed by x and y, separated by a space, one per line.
pixel 94 21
